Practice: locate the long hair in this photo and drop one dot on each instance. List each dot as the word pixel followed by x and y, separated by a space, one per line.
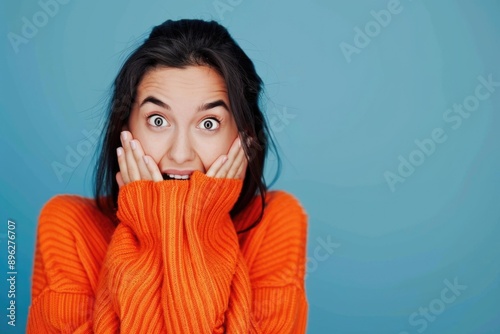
pixel 179 44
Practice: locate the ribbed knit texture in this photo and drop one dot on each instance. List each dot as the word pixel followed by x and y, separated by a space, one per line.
pixel 173 264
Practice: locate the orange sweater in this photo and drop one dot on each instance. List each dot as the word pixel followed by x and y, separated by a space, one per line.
pixel 174 263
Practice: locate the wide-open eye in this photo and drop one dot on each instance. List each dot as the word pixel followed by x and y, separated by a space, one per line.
pixel 157 121
pixel 210 124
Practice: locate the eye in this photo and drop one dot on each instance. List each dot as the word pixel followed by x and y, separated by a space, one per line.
pixel 157 121
pixel 210 124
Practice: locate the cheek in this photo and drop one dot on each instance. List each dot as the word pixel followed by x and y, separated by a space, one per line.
pixel 149 146
pixel 210 151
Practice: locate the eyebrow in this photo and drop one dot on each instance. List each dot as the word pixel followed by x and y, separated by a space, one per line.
pixel 203 107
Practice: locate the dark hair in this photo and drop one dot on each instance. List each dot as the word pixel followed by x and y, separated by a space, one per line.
pixel 179 44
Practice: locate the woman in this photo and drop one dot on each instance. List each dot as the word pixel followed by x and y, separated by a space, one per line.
pixel 182 236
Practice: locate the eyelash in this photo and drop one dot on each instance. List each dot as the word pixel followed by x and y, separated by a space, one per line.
pixel 218 119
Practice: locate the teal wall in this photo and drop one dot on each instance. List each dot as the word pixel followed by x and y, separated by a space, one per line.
pixel 386 125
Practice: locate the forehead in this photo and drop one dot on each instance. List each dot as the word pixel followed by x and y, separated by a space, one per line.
pixel 191 82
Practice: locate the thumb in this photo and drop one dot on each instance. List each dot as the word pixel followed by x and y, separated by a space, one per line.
pixel 119 179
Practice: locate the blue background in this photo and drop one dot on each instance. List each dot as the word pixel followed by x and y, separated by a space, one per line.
pixel 342 122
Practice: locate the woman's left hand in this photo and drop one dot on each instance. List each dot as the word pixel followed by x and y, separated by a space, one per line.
pixel 232 165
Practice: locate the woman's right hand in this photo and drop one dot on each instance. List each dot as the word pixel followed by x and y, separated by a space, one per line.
pixel 134 164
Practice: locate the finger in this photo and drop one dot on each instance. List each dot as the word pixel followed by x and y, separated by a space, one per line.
pixel 132 168
pixel 153 169
pixel 237 162
pixel 214 168
pixel 138 154
pixel 240 174
pixel 119 180
pixel 233 152
pixel 122 163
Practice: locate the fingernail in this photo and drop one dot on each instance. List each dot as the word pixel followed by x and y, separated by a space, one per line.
pixel 124 135
pixel 239 142
pixel 146 161
pixel 119 151
pixel 133 144
pixel 224 160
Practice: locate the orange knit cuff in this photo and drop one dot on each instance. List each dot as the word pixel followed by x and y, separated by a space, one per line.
pixel 148 207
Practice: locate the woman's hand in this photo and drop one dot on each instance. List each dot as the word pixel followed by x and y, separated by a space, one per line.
pixel 230 166
pixel 135 165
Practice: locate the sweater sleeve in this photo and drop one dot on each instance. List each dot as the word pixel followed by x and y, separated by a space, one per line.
pixel 63 285
pixel 172 258
pixel 276 259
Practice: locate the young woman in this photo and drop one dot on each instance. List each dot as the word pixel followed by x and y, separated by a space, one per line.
pixel 182 235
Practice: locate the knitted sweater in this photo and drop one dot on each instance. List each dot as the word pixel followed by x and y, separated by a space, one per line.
pixel 173 264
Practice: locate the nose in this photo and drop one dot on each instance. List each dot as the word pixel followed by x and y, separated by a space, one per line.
pixel 180 151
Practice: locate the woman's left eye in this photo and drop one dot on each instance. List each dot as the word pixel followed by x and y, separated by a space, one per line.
pixel 210 124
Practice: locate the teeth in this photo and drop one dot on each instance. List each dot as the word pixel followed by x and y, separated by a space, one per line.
pixel 179 177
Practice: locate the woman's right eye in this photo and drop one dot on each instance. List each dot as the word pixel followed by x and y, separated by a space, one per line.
pixel 157 121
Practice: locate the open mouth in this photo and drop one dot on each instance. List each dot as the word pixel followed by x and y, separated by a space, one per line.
pixel 175 177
